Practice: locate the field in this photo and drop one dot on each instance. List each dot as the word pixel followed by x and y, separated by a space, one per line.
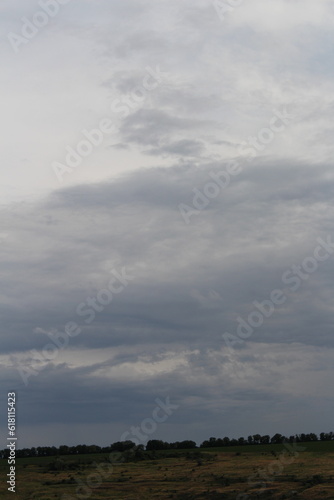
pixel 240 473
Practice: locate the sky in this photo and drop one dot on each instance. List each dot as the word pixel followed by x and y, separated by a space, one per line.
pixel 166 219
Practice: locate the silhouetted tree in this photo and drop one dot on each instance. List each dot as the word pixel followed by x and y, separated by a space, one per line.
pixel 277 439
pixel 256 438
pixel 186 445
pixel 122 446
pixel 265 439
pixel 157 444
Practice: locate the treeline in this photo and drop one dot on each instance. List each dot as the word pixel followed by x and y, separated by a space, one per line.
pixel 255 439
pixel 266 439
pixel 157 444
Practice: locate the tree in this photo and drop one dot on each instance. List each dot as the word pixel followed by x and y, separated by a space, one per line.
pixel 256 438
pixel 313 437
pixel 122 446
pixel 265 439
pixel 277 439
pixel 157 444
pixel 187 444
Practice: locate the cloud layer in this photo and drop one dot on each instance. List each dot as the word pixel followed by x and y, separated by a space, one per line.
pixel 217 88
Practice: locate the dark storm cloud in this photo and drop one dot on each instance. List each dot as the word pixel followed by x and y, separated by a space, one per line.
pixel 239 247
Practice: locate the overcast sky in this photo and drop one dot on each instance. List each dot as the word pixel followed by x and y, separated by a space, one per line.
pixel 188 148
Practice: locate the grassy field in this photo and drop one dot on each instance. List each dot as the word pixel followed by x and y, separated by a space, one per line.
pixel 240 473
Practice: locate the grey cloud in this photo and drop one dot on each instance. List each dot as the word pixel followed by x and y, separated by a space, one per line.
pixel 149 127
pixel 179 148
pixel 239 246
